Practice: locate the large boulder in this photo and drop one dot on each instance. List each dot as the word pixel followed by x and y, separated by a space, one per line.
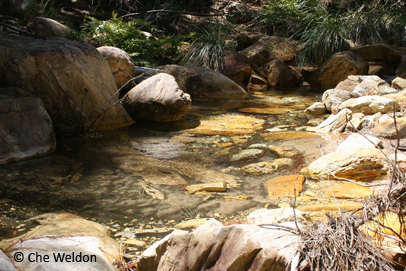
pixel 26 128
pixel 335 123
pixel 369 105
pixel 366 164
pixel 158 98
pixel 73 80
pixel 121 65
pixel 217 248
pixel 388 129
pixel 205 83
pixel 337 69
pixel 84 245
pixel 269 48
pixel 281 75
pixel 332 98
pixel 237 69
pixel 381 53
pixel 45 27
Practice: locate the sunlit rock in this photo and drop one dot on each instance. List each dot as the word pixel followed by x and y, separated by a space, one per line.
pixel 335 123
pixel 284 186
pixel 87 242
pixel 366 164
pixel 216 247
pixel 348 191
pixel 229 125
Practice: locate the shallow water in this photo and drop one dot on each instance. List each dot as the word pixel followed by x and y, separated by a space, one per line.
pixel 141 171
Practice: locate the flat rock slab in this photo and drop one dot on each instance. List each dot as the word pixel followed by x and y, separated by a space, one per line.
pixel 348 191
pixel 288 135
pixel 229 125
pixel 284 186
pixel 209 187
pixel 365 164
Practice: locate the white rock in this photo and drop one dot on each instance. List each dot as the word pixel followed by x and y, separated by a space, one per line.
pixel 275 216
pixel 335 123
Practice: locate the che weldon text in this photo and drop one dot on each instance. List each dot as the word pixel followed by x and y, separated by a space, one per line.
pixel 59 257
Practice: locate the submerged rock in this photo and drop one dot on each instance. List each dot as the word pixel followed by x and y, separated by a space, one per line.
pixel 262 168
pixel 284 186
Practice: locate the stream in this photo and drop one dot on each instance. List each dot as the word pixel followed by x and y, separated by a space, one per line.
pixel 138 174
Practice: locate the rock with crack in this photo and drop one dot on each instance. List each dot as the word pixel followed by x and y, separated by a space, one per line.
pixel 215 247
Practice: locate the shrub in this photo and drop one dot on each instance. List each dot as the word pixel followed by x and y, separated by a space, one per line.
pixel 145 51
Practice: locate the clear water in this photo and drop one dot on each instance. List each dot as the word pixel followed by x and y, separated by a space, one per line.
pixel 141 171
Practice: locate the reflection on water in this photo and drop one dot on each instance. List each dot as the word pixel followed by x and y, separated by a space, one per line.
pixel 142 171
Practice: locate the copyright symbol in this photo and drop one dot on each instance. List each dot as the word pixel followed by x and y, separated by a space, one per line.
pixel 18 257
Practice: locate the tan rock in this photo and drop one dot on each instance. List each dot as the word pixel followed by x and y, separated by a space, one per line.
pixel 73 80
pixel 330 207
pixel 348 191
pixel 399 83
pixel 283 152
pixel 262 168
pixel 387 223
pixel 135 242
pixel 369 105
pixel 338 68
pixel 288 135
pixel 268 110
pixel 46 27
pixel 335 123
pixel 364 164
pixel 387 128
pixel 316 109
pixel 209 187
pixel 229 125
pixel 121 65
pixel 284 186
pixel 64 233
pixel 192 223
pixel 216 247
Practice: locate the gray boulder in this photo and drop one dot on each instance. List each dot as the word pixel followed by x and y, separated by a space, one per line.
pixel 25 126
pixel 205 83
pixel 158 98
pixel 73 80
